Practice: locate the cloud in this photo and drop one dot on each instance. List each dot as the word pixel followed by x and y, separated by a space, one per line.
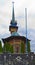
pixel 30 35
pixel 19 8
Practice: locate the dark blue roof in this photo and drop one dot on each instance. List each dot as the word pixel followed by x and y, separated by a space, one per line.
pixel 13 23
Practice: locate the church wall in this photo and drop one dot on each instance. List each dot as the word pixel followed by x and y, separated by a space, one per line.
pixel 17 43
pixel 14 41
pixel 20 44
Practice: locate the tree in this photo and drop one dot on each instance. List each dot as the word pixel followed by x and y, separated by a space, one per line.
pixel 22 47
pixel 28 46
pixel 1 47
pixel 11 49
pixel 8 48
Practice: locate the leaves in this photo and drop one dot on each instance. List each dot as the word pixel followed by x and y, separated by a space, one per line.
pixel 22 47
pixel 1 47
pixel 8 48
pixel 28 46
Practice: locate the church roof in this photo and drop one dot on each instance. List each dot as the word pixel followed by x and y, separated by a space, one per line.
pixel 15 34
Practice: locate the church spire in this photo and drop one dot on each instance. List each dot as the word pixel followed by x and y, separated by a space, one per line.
pixel 13 16
pixel 13 24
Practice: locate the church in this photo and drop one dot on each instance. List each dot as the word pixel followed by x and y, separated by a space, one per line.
pixel 17 41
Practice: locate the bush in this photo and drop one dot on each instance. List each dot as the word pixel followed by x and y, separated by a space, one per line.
pixel 22 47
pixel 28 46
pixel 8 48
pixel 1 50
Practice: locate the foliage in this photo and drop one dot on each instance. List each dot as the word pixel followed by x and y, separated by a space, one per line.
pixel 8 48
pixel 22 47
pixel 1 47
pixel 28 46
pixel 11 48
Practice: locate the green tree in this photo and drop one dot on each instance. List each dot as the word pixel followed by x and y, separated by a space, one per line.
pixel 1 47
pixel 22 47
pixel 11 49
pixel 28 46
pixel 8 48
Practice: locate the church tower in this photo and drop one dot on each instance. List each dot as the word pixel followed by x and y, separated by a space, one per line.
pixel 13 24
pixel 17 42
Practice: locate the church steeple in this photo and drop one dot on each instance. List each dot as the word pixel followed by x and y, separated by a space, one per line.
pixel 13 16
pixel 13 24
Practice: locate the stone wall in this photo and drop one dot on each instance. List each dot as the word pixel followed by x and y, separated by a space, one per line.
pixel 17 59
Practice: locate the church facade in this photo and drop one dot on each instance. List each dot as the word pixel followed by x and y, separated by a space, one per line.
pixel 17 42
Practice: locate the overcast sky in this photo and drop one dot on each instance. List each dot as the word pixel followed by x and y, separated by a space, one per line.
pixel 19 8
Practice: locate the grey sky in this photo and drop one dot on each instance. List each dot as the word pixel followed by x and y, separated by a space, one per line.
pixel 19 7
